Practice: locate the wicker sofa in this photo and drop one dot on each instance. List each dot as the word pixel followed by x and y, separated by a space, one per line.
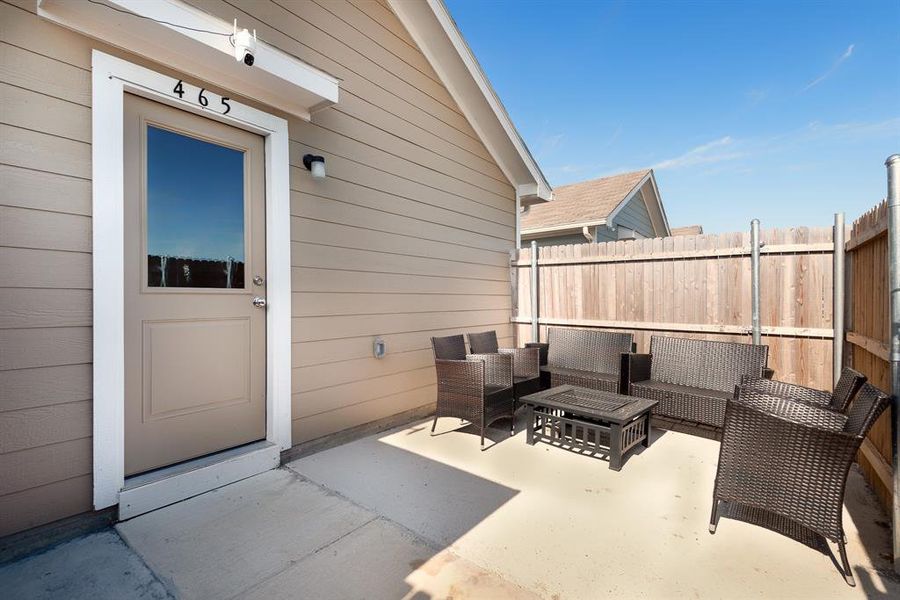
pixel 586 358
pixel 692 379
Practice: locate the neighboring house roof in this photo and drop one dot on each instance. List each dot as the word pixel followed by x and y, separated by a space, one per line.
pixel 688 230
pixel 594 202
pixel 436 34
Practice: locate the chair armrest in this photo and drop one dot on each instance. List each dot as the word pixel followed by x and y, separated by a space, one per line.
pixel 791 391
pixel 544 347
pixel 526 361
pixel 787 408
pixel 498 368
pixel 460 377
pixel 636 366
pixel 633 368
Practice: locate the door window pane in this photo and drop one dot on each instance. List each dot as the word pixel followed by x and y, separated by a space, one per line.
pixel 195 212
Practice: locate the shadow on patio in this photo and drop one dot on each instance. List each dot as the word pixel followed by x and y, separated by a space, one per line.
pixel 284 535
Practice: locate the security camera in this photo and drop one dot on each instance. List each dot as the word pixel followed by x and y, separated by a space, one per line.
pixel 244 45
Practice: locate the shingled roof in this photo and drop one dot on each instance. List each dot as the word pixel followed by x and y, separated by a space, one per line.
pixel 584 202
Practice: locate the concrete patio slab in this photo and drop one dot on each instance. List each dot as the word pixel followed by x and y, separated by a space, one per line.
pixel 565 526
pixel 98 566
pixel 277 535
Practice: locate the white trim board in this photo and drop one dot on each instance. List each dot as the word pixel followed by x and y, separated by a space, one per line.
pixel 111 79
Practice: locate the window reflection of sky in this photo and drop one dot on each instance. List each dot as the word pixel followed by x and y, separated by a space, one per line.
pixel 195 197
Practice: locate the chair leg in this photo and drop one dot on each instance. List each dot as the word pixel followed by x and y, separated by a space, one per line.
pixel 434 424
pixel 845 564
pixel 714 517
pixel 482 431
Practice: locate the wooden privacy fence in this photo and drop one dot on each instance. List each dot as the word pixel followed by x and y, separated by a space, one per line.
pixel 868 323
pixel 693 286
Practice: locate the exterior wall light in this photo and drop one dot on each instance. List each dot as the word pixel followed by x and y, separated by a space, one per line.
pixel 315 165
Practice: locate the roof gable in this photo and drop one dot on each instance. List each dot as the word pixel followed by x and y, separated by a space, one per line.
pixel 584 203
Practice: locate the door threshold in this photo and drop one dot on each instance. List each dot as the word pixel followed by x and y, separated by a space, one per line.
pixel 162 487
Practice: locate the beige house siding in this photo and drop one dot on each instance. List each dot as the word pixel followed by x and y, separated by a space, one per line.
pixel 408 237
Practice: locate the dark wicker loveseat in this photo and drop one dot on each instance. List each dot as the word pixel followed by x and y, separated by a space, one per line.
pixel 783 464
pixel 692 379
pixel 586 358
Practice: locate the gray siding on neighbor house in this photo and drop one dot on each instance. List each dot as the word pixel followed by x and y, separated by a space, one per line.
pixel 634 216
pixel 408 237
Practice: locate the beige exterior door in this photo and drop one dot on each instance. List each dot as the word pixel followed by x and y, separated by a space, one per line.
pixel 195 346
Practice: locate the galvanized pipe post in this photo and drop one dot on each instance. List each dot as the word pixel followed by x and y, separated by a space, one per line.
pixel 535 331
pixel 754 281
pixel 838 285
pixel 893 200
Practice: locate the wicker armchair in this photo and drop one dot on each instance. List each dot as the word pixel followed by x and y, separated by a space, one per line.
pixel 847 386
pixel 692 379
pixel 783 465
pixel 586 358
pixel 526 362
pixel 474 387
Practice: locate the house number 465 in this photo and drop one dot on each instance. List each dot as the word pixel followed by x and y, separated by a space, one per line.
pixel 201 99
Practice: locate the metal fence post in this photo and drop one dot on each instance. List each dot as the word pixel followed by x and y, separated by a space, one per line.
pixel 893 200
pixel 535 331
pixel 838 285
pixel 754 281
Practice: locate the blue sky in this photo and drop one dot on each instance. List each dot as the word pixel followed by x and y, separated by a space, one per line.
pixel 783 111
pixel 195 197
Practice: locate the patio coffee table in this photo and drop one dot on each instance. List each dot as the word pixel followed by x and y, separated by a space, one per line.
pixel 589 421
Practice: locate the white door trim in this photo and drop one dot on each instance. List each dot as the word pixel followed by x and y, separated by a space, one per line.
pixel 111 78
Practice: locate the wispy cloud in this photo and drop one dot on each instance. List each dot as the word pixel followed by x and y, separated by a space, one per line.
pixel 711 152
pixel 742 150
pixel 837 65
pixel 548 144
pixel 757 96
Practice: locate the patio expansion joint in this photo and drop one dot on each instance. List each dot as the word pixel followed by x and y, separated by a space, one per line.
pixel 293 563
pixel 434 544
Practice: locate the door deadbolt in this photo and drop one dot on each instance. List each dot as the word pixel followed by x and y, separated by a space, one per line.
pixel 258 280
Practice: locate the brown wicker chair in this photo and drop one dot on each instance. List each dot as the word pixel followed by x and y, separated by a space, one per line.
pixel 783 465
pixel 474 387
pixel 692 379
pixel 847 386
pixel 586 357
pixel 526 361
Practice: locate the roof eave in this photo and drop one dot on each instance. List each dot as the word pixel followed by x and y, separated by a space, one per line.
pixel 554 230
pixel 434 31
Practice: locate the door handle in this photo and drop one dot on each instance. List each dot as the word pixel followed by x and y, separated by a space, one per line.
pixel 259 302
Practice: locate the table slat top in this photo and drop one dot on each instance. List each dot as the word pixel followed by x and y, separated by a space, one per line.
pixel 596 404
